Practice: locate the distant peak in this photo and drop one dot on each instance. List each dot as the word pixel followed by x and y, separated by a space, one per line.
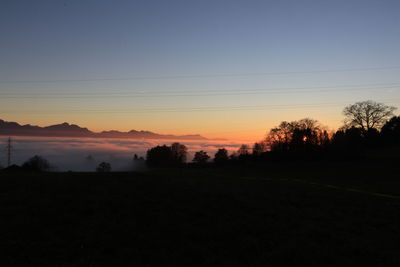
pixel 66 129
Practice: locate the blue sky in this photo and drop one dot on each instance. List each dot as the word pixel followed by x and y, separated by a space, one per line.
pixel 48 48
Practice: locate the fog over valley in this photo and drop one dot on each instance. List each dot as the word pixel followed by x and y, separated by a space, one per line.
pixel 84 154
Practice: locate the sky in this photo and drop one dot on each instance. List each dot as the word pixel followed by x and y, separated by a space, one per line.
pixel 222 69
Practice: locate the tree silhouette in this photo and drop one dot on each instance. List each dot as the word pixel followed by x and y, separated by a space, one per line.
pixel 367 115
pixel 179 153
pixel 244 150
pixel 159 156
pixel 104 167
pixel 201 157
pixel 258 148
pixel 303 135
pixel 279 137
pixel 36 163
pixel 348 142
pixel 391 131
pixel 221 156
pixel 243 153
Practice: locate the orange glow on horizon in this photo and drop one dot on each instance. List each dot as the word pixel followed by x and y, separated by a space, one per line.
pixel 246 127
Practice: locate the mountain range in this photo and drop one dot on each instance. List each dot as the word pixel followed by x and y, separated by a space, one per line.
pixel 71 130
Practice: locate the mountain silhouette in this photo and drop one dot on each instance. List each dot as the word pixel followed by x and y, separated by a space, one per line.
pixel 71 130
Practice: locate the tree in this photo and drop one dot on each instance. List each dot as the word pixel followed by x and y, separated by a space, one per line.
pixel 243 153
pixel 36 163
pixel 136 158
pixel 201 157
pixel 301 135
pixel 221 156
pixel 279 137
pixel 104 167
pixel 159 156
pixel 367 115
pixel 179 153
pixel 348 142
pixel 258 148
pixel 89 158
pixel 244 150
pixel 391 130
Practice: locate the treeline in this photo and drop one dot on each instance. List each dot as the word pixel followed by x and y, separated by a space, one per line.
pixel 368 125
pixel 36 163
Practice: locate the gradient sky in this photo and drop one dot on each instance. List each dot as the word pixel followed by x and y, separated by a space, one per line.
pixel 229 69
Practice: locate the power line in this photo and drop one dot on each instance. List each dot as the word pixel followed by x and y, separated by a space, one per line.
pixel 289 90
pixel 197 109
pixel 201 76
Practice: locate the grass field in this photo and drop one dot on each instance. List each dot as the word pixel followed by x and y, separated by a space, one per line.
pixel 298 214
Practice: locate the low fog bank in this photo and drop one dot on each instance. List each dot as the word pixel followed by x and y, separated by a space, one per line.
pixel 84 155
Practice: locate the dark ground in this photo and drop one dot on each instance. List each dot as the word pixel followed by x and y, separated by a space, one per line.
pixel 205 217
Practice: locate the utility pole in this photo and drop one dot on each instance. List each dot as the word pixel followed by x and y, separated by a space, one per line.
pixel 9 147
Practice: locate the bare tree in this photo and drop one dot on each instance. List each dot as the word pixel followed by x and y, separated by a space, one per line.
pixel 367 115
pixel 295 134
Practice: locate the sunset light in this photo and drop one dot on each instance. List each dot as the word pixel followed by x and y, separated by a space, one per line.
pixel 199 133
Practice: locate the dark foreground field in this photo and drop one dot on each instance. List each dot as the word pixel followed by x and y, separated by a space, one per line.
pixel 314 214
